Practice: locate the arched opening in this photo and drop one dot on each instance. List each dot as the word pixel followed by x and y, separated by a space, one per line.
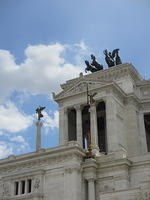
pixel 101 126
pixel 86 126
pixel 72 131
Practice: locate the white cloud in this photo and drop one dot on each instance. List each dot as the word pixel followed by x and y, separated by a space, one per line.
pixel 51 122
pixel 22 142
pixel 41 72
pixel 12 120
pixel 18 138
pixel 5 149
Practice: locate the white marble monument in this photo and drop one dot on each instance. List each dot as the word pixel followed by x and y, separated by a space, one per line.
pixel 119 124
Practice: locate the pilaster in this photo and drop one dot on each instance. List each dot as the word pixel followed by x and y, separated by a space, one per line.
pixel 132 127
pixel 72 183
pixel 111 118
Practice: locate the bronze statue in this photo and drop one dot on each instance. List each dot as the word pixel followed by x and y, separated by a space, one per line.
pixel 118 59
pixel 95 63
pixel 91 99
pixel 113 58
pixel 38 111
pixel 109 58
pixel 89 67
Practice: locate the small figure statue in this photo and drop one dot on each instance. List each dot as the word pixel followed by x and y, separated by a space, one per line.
pixel 38 111
pixel 91 99
pixel 95 63
pixel 89 67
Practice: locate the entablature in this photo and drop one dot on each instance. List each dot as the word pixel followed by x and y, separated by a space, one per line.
pixel 37 161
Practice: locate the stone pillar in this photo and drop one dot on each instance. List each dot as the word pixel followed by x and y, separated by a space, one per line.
pixel 91 189
pixel 63 126
pixel 79 124
pixel 142 133
pixel 26 187
pixel 38 134
pixel 111 123
pixel 93 127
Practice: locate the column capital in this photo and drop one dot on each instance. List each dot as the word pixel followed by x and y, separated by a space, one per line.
pixel 77 107
pixel 91 179
pixel 65 110
pixel 93 106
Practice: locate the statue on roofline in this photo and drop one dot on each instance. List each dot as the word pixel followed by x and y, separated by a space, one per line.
pixel 95 63
pixel 94 66
pixel 112 58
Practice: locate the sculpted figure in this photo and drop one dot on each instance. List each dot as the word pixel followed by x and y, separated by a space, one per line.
pixel 109 58
pixel 39 112
pixel 89 67
pixel 117 59
pixel 95 63
pixel 113 58
pixel 91 98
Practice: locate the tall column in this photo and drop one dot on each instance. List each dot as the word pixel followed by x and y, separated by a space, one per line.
pixel 93 126
pixel 79 124
pixel 38 134
pixel 142 133
pixel 26 185
pixel 63 126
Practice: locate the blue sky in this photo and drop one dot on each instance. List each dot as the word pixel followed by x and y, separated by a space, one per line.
pixel 45 42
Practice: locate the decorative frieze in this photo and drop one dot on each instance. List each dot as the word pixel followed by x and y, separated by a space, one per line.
pixel 143 196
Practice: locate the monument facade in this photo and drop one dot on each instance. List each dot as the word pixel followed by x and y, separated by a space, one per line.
pixel 108 110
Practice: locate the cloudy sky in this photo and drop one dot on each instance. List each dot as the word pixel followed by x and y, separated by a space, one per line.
pixel 44 43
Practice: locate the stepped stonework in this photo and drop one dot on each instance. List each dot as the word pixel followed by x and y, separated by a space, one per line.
pixel 116 125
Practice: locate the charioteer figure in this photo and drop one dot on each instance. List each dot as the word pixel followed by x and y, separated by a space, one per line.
pixel 94 66
pixel 113 58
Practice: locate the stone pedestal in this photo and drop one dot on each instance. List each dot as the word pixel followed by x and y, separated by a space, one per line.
pixel 38 134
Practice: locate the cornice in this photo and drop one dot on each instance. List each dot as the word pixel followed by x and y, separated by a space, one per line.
pixel 97 80
pixel 26 197
pixel 143 83
pixel 58 153
pixel 114 163
pixel 19 174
